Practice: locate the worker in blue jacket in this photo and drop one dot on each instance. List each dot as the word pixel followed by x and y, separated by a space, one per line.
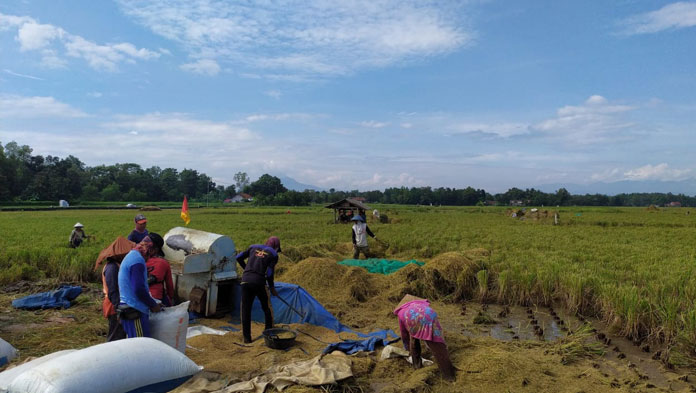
pixel 136 302
pixel 258 271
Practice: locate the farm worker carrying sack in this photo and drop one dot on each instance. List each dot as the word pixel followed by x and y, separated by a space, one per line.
pixel 417 321
pixel 77 236
pixel 360 233
pixel 159 273
pixel 257 272
pixel 136 302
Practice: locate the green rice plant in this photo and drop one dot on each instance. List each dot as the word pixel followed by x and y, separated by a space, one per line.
pixel 503 287
pixel 482 280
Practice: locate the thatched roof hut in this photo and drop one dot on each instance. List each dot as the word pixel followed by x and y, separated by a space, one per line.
pixel 346 209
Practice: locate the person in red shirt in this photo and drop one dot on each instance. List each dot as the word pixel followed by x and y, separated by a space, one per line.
pixel 159 274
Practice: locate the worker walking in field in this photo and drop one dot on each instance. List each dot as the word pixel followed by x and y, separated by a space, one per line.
pixel 258 271
pixel 417 321
pixel 136 302
pixel 140 231
pixel 360 231
pixel 159 273
pixel 77 236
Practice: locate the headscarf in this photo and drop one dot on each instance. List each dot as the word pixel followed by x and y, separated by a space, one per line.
pixel 144 246
pixel 274 242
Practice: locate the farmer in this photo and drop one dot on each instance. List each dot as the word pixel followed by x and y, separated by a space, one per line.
pixel 139 233
pixel 360 233
pixel 417 321
pixel 77 236
pixel 159 273
pixel 112 298
pixel 136 302
pixel 258 271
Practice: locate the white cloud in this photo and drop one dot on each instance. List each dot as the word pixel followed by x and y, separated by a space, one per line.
pixel 203 66
pixel 53 42
pixel 291 37
pixel 406 125
pixel 503 130
pixel 658 172
pixel 670 17
pixel 33 36
pixel 12 106
pixel 95 94
pixel 595 121
pixel 374 124
pixel 273 94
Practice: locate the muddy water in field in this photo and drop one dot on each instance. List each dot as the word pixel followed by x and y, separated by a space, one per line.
pixel 514 323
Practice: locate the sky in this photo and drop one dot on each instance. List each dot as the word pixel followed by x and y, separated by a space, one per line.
pixel 358 94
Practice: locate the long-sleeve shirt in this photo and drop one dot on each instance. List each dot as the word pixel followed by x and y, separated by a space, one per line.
pixel 260 267
pixel 132 283
pixel 111 277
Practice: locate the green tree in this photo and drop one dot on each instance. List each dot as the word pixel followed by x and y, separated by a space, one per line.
pixel 241 180
pixel 267 185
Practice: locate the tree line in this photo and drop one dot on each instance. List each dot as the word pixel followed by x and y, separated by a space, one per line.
pixel 28 177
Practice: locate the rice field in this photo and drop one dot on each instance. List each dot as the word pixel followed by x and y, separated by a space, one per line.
pixel 631 267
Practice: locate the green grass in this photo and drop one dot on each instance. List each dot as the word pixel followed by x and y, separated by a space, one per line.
pixel 633 267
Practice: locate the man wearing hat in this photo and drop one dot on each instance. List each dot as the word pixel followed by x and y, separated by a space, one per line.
pixel 360 233
pixel 77 236
pixel 140 231
pixel 258 271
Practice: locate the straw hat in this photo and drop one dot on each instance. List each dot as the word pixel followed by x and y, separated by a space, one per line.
pixel 78 225
pixel 406 299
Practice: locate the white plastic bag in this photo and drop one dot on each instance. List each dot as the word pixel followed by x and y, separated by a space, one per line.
pixel 170 325
pixel 135 364
pixel 7 352
pixel 7 376
pixel 194 331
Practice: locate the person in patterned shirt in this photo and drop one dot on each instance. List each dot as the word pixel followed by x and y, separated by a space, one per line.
pixel 417 321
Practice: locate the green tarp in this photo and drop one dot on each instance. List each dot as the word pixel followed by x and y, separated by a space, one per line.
pixel 382 266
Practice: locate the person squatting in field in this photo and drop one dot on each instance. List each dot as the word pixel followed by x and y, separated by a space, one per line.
pixel 360 231
pixel 258 271
pixel 77 236
pixel 159 273
pixel 136 302
pixel 417 321
pixel 140 231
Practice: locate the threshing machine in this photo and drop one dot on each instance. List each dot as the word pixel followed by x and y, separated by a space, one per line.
pixel 203 269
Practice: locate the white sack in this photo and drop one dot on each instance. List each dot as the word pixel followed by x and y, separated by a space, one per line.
pixel 7 352
pixel 7 376
pixel 391 351
pixel 113 367
pixel 194 331
pixel 170 325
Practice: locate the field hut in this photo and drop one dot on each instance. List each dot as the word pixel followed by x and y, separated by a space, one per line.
pixel 346 209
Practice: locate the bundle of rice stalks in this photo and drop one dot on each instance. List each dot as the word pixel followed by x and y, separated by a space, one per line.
pixel 410 279
pixel 451 276
pixel 328 281
pixel 579 344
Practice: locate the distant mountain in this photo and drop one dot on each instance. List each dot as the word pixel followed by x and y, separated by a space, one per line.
pixel 686 187
pixel 292 184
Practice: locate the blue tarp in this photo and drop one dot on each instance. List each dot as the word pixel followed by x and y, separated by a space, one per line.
pixel 314 312
pixel 352 346
pixel 60 298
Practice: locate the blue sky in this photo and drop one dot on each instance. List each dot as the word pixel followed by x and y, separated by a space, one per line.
pixel 358 94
